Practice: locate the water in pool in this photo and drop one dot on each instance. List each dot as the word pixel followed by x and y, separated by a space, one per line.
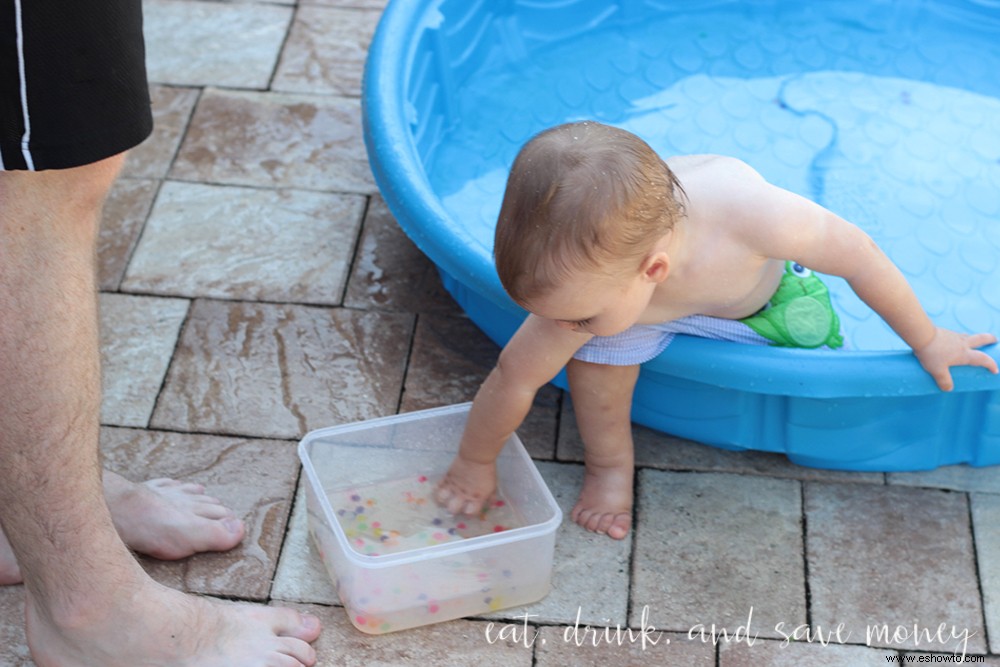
pixel 886 113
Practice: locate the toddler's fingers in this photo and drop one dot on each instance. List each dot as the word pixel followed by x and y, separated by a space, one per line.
pixel 454 504
pixel 442 495
pixel 943 379
pixel 463 505
pixel 981 339
pixel 977 358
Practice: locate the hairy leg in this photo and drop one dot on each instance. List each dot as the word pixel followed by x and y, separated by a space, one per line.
pixel 602 400
pixel 88 601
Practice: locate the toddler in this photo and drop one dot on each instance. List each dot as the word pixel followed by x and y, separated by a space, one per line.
pixel 613 251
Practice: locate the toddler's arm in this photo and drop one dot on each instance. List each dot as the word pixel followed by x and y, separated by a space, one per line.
pixel 534 356
pixel 787 226
pixel 850 253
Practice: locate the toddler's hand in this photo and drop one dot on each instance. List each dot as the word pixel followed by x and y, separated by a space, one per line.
pixel 949 348
pixel 467 486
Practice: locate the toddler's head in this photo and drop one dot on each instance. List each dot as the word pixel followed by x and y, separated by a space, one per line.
pixel 581 197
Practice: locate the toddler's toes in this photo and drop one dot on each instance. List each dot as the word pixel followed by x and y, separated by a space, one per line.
pixel 618 525
pixel 615 525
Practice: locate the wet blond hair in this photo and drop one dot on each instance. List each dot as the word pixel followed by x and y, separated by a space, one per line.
pixel 581 196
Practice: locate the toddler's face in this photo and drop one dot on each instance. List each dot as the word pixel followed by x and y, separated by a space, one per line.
pixel 595 303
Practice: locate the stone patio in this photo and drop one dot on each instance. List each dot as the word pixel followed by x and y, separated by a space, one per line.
pixel 254 287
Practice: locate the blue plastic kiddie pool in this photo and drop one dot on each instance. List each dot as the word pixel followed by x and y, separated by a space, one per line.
pixel 886 112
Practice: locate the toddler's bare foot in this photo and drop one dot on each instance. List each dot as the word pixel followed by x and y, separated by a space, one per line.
pixel 163 518
pixel 605 503
pixel 149 625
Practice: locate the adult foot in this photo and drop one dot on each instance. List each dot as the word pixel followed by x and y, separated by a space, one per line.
pixel 162 518
pixel 169 519
pixel 605 503
pixel 149 625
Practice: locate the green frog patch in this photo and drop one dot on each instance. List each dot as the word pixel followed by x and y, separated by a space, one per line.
pixel 800 313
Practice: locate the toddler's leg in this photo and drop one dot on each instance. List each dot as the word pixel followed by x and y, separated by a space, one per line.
pixel 602 399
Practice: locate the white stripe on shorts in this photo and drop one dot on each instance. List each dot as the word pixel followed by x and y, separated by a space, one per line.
pixel 24 88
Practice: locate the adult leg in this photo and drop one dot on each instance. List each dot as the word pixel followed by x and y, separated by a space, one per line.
pixel 602 400
pixel 89 602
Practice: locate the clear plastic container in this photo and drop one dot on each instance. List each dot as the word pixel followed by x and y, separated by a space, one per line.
pixel 396 558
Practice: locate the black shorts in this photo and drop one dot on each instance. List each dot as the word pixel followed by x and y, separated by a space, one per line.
pixel 73 87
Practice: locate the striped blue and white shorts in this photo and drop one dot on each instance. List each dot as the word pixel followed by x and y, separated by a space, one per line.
pixel 73 87
pixel 641 342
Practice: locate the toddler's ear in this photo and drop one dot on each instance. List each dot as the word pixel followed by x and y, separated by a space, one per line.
pixel 656 267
